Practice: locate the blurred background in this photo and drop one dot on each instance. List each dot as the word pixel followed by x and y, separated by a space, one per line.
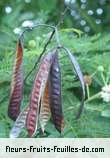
pixel 89 16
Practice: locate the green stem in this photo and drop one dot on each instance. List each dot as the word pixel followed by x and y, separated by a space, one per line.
pixel 57 37
pixel 43 25
pixel 97 95
pixel 108 76
pixel 103 78
pixel 88 92
pixel 39 58
pixel 93 74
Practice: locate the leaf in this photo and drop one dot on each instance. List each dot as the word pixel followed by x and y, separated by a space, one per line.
pixel 79 32
pixel 37 91
pixel 80 76
pixel 55 94
pixel 19 123
pixel 44 115
pixel 16 84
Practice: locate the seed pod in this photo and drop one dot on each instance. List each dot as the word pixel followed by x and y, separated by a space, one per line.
pixel 55 94
pixel 80 76
pixel 19 123
pixel 37 91
pixel 44 115
pixel 16 84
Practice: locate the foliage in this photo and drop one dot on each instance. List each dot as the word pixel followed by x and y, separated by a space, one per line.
pixel 90 52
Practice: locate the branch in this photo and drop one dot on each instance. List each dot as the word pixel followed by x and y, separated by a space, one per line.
pixel 49 40
pixel 40 55
pixel 62 16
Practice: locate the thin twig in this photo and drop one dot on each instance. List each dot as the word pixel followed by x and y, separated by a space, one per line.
pixel 49 40
pixel 95 96
pixel 40 55
pixel 62 17
pixel 30 28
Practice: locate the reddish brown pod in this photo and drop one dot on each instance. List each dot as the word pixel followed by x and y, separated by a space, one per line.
pixel 55 94
pixel 37 91
pixel 45 114
pixel 16 84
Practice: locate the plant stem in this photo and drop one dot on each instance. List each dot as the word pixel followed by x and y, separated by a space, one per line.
pixel 33 27
pixel 88 92
pixel 103 78
pixel 55 31
pixel 57 37
pixel 97 95
pixel 93 74
pixel 108 75
pixel 44 49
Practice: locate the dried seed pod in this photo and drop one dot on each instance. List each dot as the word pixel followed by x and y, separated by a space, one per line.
pixel 80 76
pixel 45 114
pixel 37 91
pixel 19 123
pixel 16 84
pixel 55 94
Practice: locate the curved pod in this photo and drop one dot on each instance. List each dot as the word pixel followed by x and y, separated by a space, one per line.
pixel 55 94
pixel 16 84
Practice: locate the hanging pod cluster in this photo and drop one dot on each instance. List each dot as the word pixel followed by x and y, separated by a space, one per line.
pixel 45 99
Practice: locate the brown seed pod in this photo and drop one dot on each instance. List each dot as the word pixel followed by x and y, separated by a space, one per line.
pixel 55 94
pixel 45 114
pixel 37 91
pixel 16 84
